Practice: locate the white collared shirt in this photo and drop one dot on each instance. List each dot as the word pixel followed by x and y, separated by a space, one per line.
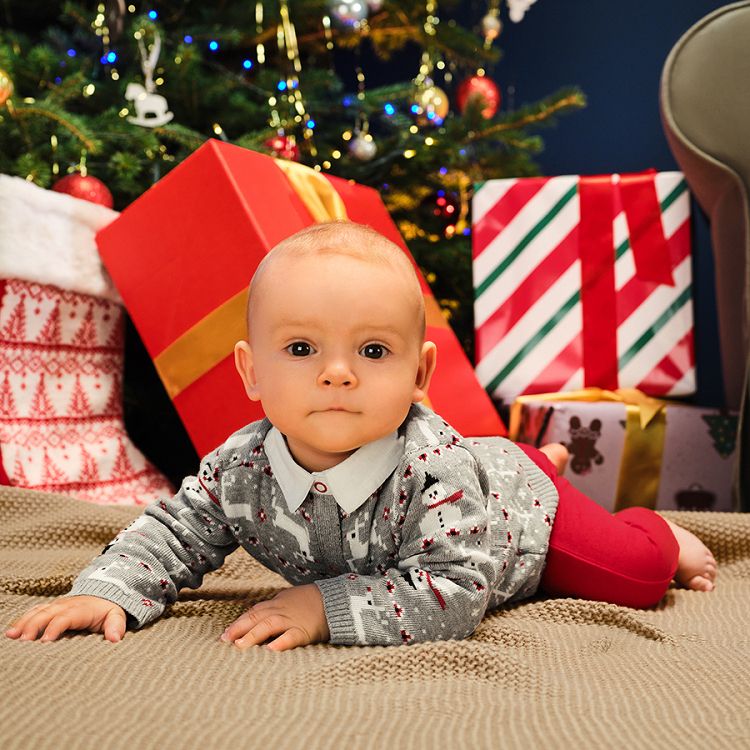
pixel 351 482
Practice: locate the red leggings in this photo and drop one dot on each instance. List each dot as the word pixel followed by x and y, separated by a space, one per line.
pixel 626 558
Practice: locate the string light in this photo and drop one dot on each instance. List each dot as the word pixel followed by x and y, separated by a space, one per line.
pixel 327 32
pixel 55 165
pixel 260 50
pixel 213 45
pixel 187 39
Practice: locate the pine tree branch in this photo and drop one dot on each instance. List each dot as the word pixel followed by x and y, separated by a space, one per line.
pixel 545 111
pixel 91 144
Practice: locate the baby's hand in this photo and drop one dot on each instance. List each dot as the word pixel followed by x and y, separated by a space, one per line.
pixel 70 613
pixel 295 615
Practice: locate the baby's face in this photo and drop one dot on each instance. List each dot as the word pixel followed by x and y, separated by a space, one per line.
pixel 335 355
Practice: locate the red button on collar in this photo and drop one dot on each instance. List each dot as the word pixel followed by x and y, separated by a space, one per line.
pixel 320 487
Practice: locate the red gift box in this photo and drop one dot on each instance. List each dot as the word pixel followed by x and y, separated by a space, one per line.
pixel 183 254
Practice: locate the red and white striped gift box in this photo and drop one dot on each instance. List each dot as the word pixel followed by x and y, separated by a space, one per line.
pixel 583 281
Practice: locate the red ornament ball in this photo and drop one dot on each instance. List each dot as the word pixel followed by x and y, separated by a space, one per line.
pixel 443 207
pixel 86 188
pixel 483 87
pixel 283 147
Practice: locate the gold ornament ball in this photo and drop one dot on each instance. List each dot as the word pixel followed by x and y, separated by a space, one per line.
pixel 491 26
pixel 433 103
pixel 6 87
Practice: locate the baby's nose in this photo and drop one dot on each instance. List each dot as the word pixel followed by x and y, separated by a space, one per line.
pixel 338 373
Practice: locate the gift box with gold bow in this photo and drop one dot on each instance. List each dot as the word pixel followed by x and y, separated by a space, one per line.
pixel 583 281
pixel 183 254
pixel 628 449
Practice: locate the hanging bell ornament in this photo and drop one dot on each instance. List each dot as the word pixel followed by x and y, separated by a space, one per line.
pixel 491 27
pixel 430 105
pixel 6 87
pixel 348 13
pixel 363 147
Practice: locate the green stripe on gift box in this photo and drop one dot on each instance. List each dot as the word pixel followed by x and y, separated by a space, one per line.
pixel 652 330
pixel 547 218
pixel 532 342
pixel 525 242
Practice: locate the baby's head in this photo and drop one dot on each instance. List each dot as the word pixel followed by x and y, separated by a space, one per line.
pixel 335 351
pixel 350 240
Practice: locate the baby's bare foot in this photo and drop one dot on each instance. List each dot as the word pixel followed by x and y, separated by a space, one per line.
pixel 696 567
pixel 558 454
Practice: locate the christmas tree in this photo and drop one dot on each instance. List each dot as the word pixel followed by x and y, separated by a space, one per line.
pixel 394 94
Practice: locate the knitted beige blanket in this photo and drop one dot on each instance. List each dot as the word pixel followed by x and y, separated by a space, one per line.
pixel 558 673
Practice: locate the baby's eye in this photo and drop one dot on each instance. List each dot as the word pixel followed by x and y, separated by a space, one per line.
pixel 299 349
pixel 373 351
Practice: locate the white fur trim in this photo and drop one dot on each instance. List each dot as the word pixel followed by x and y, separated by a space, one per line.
pixel 49 238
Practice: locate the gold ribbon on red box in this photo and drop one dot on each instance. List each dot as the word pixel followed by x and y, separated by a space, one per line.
pixel 645 430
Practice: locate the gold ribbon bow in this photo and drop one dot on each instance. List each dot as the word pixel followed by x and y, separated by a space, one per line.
pixel 645 429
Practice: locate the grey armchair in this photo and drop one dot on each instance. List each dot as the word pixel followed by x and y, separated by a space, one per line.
pixel 705 105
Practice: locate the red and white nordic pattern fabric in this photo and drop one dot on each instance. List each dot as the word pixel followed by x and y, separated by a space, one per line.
pixel 61 428
pixel 532 282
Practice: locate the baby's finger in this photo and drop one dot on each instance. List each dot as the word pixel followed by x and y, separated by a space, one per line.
pixel 265 629
pixel 114 625
pixel 17 626
pixel 57 626
pixel 240 627
pixel 291 638
pixel 36 624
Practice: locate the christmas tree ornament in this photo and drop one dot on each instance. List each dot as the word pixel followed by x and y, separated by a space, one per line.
pixel 479 87
pixel 517 9
pixel 6 87
pixel 151 109
pixel 348 13
pixel 442 206
pixel 362 146
pixel 375 5
pixel 491 26
pixel 86 188
pixel 283 146
pixel 62 355
pixel 430 105
pixel 115 12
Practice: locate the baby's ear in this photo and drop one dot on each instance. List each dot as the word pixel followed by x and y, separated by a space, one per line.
pixel 427 362
pixel 243 361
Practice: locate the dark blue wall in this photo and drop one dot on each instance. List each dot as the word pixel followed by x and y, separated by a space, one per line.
pixel 615 52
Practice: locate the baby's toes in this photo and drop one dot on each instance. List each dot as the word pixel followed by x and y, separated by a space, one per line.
pixel 700 583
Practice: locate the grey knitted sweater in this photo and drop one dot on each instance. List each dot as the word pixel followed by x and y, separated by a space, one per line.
pixel 458 527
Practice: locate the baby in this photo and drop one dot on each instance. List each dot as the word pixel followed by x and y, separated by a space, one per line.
pixel 391 527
